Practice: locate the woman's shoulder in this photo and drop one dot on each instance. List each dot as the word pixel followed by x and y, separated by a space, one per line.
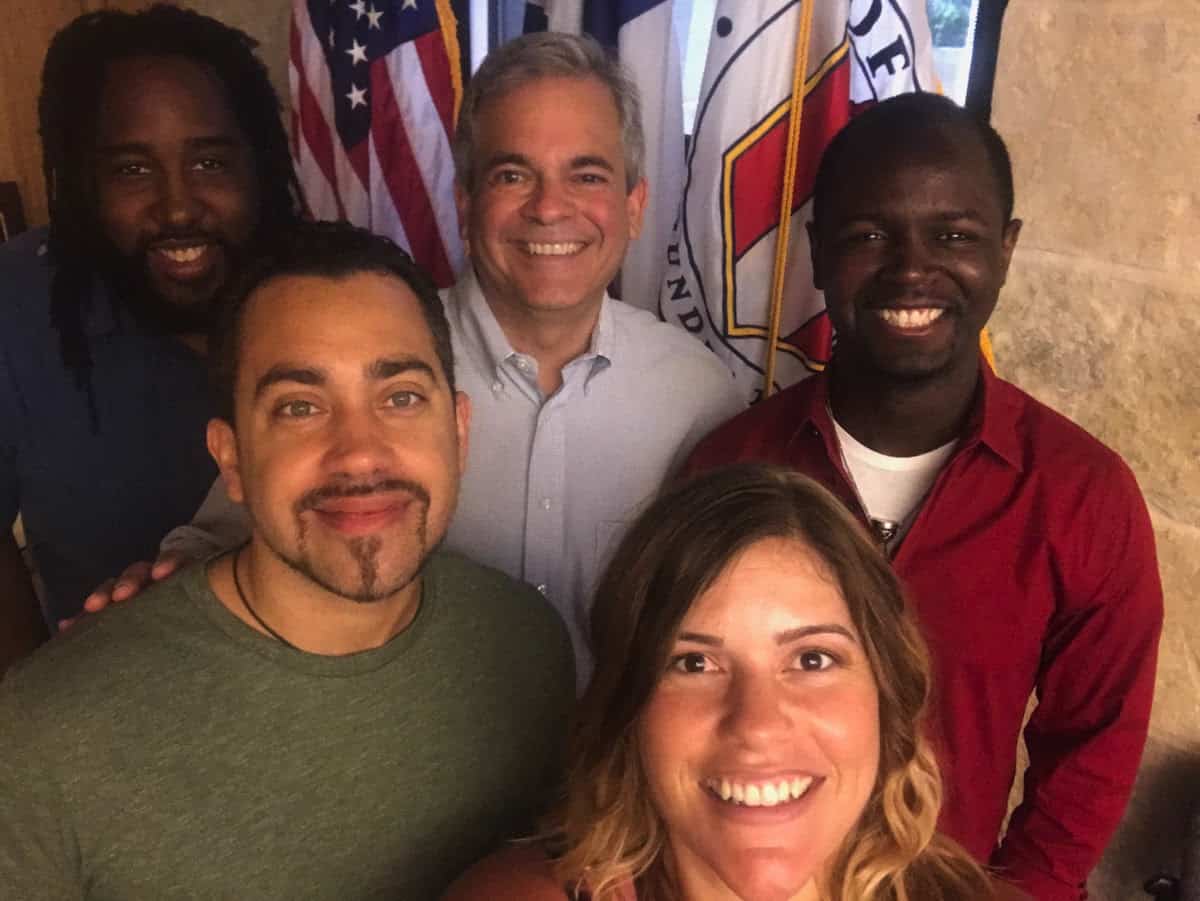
pixel 519 873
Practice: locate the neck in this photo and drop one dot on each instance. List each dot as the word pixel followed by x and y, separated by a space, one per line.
pixel 552 337
pixel 902 419
pixel 302 613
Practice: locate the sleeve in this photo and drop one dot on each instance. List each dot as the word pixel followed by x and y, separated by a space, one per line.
pixel 1095 686
pixel 219 525
pixel 38 854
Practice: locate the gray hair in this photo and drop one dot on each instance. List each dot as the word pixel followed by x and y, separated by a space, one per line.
pixel 549 54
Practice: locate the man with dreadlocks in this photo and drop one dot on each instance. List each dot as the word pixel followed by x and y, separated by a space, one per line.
pixel 164 158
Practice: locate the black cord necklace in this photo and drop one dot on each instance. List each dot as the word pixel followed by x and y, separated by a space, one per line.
pixel 237 583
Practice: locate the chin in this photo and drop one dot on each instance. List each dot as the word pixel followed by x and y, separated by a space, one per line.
pixel 771 877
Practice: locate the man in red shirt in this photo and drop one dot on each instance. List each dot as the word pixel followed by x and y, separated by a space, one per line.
pixel 1024 542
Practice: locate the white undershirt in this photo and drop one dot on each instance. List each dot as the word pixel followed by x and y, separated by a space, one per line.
pixel 891 488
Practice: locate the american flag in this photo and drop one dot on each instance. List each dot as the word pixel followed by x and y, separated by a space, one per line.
pixel 375 89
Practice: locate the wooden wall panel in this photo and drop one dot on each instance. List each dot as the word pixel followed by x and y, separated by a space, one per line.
pixel 29 25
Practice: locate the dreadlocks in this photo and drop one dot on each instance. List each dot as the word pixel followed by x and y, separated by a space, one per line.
pixel 73 81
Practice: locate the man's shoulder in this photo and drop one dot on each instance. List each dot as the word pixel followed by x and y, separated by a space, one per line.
pixel 487 595
pixel 24 279
pixel 1053 442
pixel 648 338
pixel 761 429
pixel 106 656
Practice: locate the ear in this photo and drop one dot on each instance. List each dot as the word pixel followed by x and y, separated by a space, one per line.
pixel 462 202
pixel 815 255
pixel 462 418
pixel 635 208
pixel 222 445
pixel 1008 243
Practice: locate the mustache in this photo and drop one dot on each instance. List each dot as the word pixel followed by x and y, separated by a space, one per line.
pixel 317 496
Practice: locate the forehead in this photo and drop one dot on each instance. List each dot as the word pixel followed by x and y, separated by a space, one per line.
pixel 146 98
pixel 773 585
pixel 550 113
pixel 944 167
pixel 338 323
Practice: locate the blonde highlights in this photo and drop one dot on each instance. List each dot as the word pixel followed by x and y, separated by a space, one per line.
pixel 608 828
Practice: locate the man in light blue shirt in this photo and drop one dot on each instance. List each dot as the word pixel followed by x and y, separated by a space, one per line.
pixel 583 405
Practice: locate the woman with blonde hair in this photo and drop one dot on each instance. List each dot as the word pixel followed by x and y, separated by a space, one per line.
pixel 753 728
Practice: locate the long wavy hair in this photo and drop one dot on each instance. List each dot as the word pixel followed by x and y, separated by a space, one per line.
pixel 610 832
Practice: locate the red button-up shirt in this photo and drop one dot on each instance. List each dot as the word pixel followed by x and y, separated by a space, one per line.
pixel 1031 567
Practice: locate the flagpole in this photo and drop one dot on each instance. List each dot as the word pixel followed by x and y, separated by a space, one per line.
pixel 783 234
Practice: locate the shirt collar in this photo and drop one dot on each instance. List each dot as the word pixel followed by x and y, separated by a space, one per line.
pixel 485 337
pixel 993 421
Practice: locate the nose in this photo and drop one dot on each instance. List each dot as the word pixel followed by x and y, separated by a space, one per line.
pixel 756 713
pixel 548 202
pixel 910 257
pixel 359 444
pixel 178 204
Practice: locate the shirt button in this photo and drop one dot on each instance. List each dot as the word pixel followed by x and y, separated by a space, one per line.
pixel 523 365
pixel 542 588
pixel 546 503
pixel 497 387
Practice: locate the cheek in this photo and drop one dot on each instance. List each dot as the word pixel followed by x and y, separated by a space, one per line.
pixel 121 215
pixel 673 732
pixel 848 721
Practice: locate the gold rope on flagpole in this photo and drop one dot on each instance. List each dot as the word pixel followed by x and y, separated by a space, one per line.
pixel 449 26
pixel 782 236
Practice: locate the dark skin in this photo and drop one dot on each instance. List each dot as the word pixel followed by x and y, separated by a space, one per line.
pixel 911 255
pixel 177 198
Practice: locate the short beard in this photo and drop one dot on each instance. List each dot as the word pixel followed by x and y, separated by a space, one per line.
pixel 130 288
pixel 364 549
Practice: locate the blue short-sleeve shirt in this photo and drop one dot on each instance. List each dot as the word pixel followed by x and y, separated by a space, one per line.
pixel 93 499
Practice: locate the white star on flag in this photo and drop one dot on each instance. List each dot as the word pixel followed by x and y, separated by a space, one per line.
pixel 357 52
pixel 357 96
pixel 332 39
pixel 374 16
pixel 409 4
pixel 360 9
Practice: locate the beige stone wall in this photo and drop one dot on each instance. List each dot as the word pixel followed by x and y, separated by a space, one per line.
pixel 1100 103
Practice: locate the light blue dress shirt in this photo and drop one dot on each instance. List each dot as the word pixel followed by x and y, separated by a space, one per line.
pixel 552 482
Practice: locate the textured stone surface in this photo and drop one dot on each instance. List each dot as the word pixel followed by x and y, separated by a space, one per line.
pixel 1100 103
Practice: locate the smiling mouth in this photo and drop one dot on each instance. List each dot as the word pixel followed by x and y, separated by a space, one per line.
pixel 759 794
pixel 909 318
pixel 553 249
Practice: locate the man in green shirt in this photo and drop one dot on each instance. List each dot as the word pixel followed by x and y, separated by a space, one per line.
pixel 336 709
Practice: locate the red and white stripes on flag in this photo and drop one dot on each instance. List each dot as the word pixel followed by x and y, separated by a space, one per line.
pixel 375 90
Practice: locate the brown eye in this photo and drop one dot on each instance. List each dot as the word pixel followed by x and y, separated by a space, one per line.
pixel 814 661
pixel 694 662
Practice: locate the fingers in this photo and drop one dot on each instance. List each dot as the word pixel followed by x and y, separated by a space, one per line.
pixel 165 565
pixel 97 600
pixel 134 579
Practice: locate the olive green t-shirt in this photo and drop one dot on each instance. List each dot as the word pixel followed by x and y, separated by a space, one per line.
pixel 165 750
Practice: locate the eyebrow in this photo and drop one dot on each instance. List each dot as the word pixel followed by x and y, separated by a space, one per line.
pixel 377 370
pixel 584 162
pixel 785 637
pixel 288 372
pixel 391 367
pixel 138 148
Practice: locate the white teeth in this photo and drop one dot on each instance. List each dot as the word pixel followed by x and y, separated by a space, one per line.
pixel 560 249
pixel 913 319
pixel 766 794
pixel 182 254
